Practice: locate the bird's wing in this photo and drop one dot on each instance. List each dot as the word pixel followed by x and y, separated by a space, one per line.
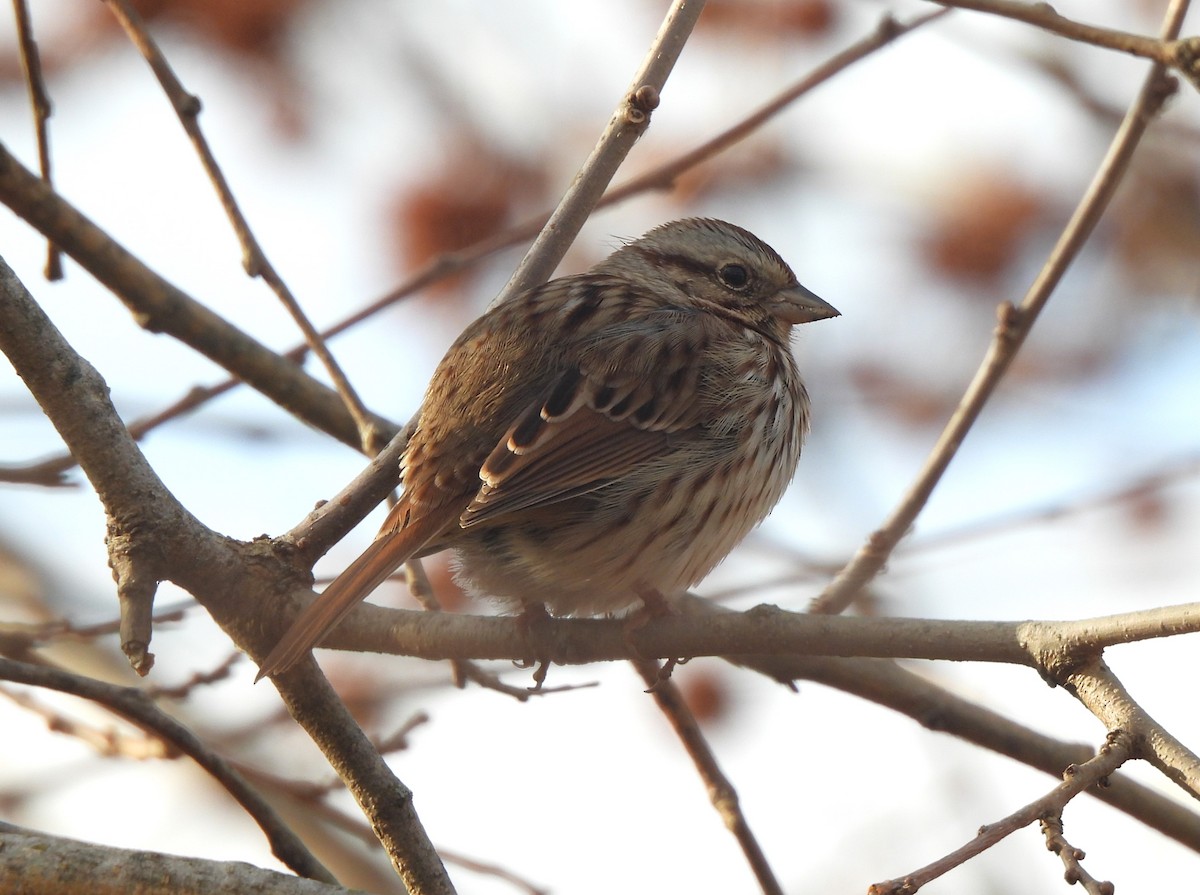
pixel 629 401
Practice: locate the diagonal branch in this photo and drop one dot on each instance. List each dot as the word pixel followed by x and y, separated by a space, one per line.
pixel 1095 685
pixel 1076 779
pixel 254 259
pixel 720 789
pixel 1015 324
pixel 628 123
pixel 1181 55
pixel 159 306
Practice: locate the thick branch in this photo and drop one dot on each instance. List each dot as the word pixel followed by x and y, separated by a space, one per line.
pixel 762 631
pixel 35 863
pixel 235 582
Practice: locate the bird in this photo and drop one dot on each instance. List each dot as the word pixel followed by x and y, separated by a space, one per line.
pixel 603 440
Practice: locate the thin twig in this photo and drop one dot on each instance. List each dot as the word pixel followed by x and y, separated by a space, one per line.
pixel 138 708
pixel 720 790
pixel 664 176
pixel 39 101
pixel 1014 326
pixel 1071 857
pixel 1165 51
pixel 254 259
pixel 628 123
pixel 1076 779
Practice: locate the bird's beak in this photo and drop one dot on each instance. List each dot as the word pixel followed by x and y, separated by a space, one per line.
pixel 797 305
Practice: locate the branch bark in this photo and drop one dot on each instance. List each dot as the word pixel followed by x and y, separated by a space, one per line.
pixel 152 537
pixel 35 863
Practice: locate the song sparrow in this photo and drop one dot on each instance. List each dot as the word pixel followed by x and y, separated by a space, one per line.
pixel 605 437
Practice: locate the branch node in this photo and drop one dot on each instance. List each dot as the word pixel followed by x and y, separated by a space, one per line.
pixel 190 105
pixel 137 584
pixel 252 262
pixel 1185 56
pixel 641 103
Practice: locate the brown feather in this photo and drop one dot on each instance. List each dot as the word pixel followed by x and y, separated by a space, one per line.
pixel 577 454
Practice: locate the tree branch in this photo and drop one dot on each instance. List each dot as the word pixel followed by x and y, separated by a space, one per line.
pixel 254 259
pixel 139 709
pixel 1180 55
pixel 40 864
pixel 720 789
pixel 1015 324
pixel 1076 779
pixel 159 306
pixel 1105 696
pixel 628 123
pixel 761 631
pixel 152 536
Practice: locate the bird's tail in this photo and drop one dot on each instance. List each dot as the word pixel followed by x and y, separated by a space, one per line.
pixel 390 550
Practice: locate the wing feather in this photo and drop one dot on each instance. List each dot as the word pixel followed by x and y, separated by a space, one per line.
pixel 624 405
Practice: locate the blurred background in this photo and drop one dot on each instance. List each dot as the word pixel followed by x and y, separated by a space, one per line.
pixel 915 192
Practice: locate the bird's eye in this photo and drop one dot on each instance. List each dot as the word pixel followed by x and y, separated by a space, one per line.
pixel 735 276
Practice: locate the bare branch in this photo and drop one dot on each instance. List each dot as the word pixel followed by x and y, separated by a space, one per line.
pixel 664 176
pixel 224 576
pixel 254 259
pixel 1102 692
pixel 1052 830
pixel 136 707
pixel 386 801
pixel 1076 779
pixel 889 684
pixel 159 306
pixel 1180 55
pixel 628 123
pixel 39 100
pixel 40 864
pixel 1015 324
pixel 761 631
pixel 720 789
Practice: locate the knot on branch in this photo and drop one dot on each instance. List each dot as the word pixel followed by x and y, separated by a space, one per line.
pixel 1185 55
pixel 135 569
pixel 1055 656
pixel 643 101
